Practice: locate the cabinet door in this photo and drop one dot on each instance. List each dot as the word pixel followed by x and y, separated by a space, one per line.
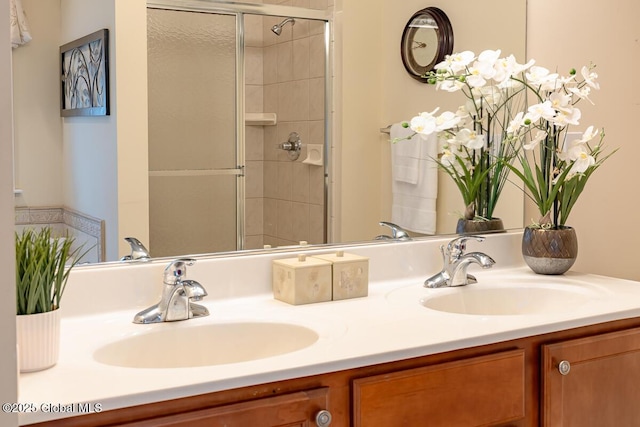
pixel 593 381
pixel 290 410
pixel 480 391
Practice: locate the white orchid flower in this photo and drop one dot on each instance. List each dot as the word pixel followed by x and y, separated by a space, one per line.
pixel 475 78
pixel 462 111
pixel 470 139
pixel 504 68
pixel 589 134
pixel 481 71
pixel 480 141
pixel 544 110
pixel 456 62
pixel 551 83
pixel 449 85
pixel 447 158
pixel 489 56
pixel 424 124
pixel 519 68
pixel 537 75
pixel 567 116
pixel 582 93
pixel 564 80
pixel 560 100
pixel 516 124
pixel 590 77
pixel 583 161
pixel 540 136
pixel 491 96
pixel 447 120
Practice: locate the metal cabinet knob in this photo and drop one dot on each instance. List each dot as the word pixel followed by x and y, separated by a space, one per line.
pixel 323 418
pixel 564 367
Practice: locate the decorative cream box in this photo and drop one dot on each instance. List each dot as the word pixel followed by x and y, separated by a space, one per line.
pixel 301 280
pixel 350 274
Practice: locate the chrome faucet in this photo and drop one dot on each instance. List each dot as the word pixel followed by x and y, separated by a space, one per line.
pixel 138 251
pixel 397 232
pixel 456 262
pixel 177 294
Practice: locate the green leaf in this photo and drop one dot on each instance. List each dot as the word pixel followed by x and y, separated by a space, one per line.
pixel 43 264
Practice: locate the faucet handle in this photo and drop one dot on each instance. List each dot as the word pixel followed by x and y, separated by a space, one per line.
pixel 138 250
pixel 457 246
pixel 177 270
pixel 397 232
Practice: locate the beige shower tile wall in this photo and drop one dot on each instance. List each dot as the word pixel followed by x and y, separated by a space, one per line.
pixel 254 135
pixel 294 89
pixel 291 84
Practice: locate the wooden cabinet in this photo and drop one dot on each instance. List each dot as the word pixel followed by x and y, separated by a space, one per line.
pixel 513 383
pixel 290 410
pixel 479 391
pixel 593 381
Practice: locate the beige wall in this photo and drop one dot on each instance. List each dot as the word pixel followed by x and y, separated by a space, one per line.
pixel 8 360
pixel 358 117
pixel 37 124
pixel 572 33
pixel 130 105
pixel 376 91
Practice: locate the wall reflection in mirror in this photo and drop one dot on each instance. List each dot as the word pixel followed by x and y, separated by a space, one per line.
pixel 215 169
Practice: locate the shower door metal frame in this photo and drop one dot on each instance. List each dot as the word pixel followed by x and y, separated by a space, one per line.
pixel 239 10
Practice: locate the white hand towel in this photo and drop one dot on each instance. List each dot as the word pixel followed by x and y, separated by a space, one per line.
pixel 19 28
pixel 405 156
pixel 414 203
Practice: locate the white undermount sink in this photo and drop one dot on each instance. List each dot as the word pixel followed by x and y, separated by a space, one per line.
pixel 177 345
pixel 513 297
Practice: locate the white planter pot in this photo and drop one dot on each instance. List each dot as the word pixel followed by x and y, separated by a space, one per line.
pixel 38 338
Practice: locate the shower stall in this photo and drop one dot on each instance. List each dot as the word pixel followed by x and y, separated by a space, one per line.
pixel 229 85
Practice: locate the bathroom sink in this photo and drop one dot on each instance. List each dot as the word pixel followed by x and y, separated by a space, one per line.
pixel 177 346
pixel 507 301
pixel 519 298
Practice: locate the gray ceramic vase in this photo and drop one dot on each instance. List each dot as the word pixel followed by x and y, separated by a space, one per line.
pixel 549 251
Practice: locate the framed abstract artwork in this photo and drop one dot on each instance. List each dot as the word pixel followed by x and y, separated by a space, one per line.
pixel 84 76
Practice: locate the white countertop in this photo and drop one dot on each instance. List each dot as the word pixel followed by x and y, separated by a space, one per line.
pixel 390 324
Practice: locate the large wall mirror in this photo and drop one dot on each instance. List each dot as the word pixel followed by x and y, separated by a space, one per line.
pixel 194 156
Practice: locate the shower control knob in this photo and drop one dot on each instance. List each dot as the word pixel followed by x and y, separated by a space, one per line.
pixel 292 146
pixel 564 367
pixel 323 418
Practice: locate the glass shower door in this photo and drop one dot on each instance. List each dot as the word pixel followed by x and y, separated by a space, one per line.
pixel 194 172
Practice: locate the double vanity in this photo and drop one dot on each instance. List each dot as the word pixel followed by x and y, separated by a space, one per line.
pixel 513 349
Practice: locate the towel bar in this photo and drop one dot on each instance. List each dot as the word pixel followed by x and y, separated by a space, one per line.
pixel 386 130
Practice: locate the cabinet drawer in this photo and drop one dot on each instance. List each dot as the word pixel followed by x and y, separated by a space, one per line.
pixel 289 410
pixel 480 391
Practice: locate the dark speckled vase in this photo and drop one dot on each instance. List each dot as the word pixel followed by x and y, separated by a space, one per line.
pixel 469 226
pixel 550 251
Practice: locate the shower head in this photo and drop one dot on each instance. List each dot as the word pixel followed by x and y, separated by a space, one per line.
pixel 277 29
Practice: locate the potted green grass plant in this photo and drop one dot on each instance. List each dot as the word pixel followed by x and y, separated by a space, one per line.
pixel 43 263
